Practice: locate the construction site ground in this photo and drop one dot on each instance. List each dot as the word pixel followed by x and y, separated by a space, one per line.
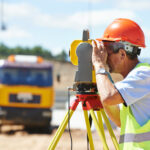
pixel 16 138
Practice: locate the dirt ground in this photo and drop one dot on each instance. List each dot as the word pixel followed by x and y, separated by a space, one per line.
pixel 16 138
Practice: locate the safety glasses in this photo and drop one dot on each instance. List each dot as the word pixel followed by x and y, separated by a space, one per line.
pixel 113 46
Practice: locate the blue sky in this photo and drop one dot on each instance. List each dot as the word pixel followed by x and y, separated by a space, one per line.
pixel 54 24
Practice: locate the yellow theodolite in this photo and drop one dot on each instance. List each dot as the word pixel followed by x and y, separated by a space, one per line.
pixel 86 93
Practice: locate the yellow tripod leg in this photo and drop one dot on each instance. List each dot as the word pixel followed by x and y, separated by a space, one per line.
pixel 88 129
pixel 112 135
pixel 100 123
pixel 60 130
pixel 99 130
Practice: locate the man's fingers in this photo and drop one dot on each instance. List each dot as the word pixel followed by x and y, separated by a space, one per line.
pixel 100 45
pixel 94 44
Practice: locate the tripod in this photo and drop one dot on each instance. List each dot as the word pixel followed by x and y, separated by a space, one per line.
pixel 90 102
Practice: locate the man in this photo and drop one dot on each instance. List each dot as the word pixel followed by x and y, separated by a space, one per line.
pixel 118 48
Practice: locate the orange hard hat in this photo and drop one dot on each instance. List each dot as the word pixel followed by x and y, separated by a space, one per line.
pixel 124 30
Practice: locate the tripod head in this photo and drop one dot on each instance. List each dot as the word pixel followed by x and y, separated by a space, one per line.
pixel 81 56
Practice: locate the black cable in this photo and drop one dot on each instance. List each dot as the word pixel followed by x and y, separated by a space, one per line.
pixel 90 120
pixel 69 119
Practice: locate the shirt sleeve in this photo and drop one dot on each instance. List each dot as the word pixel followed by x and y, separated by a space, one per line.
pixel 135 86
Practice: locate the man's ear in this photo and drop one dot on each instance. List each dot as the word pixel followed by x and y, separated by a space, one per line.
pixel 122 54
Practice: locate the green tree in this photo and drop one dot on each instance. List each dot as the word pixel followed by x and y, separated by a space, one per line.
pixel 36 50
pixel 62 56
pixel 4 50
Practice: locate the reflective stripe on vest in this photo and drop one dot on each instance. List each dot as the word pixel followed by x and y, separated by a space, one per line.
pixel 131 137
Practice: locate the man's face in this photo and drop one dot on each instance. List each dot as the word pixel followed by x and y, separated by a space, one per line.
pixel 113 57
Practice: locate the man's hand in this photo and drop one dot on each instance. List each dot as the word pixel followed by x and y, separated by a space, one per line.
pixel 99 55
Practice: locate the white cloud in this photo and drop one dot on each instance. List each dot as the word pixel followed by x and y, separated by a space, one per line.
pixel 106 16
pixel 74 21
pixel 83 19
pixel 77 20
pixel 14 32
pixel 134 4
pixel 90 1
pixel 15 10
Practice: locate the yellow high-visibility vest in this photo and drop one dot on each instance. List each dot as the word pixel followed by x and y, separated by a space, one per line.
pixel 133 136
